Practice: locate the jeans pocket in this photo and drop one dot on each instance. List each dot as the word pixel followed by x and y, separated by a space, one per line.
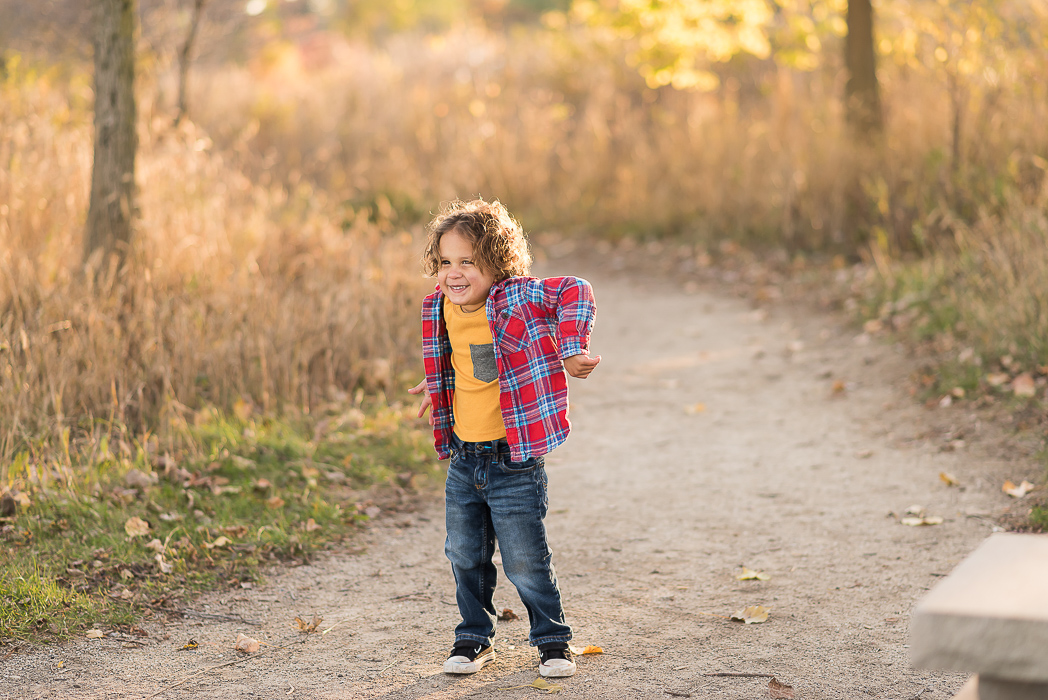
pixel 528 465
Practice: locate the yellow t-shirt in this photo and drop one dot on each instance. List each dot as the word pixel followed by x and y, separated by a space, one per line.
pixel 478 414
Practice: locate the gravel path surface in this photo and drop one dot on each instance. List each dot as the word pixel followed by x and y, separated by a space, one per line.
pixel 712 437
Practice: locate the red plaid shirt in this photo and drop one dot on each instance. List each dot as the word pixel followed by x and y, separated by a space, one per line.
pixel 535 324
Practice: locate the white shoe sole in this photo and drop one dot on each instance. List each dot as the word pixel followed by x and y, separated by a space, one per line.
pixel 462 665
pixel 557 668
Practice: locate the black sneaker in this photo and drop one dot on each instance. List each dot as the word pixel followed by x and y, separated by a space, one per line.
pixel 556 663
pixel 469 658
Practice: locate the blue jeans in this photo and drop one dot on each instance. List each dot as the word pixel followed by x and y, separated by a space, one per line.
pixel 490 497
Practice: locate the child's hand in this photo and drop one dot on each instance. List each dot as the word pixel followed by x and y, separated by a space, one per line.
pixel 421 388
pixel 580 366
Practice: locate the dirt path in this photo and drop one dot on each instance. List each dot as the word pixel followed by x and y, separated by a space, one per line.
pixel 709 439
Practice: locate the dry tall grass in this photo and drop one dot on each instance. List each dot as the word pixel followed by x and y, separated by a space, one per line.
pixel 569 137
pixel 236 290
pixel 275 261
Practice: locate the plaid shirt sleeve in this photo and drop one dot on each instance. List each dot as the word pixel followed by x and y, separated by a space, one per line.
pixel 440 378
pixel 536 324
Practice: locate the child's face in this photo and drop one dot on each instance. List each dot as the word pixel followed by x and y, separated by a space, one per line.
pixel 460 279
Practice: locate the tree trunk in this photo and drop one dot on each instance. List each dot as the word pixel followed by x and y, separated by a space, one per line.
pixel 863 102
pixel 184 57
pixel 109 218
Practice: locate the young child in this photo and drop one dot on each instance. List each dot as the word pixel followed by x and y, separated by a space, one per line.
pixel 495 345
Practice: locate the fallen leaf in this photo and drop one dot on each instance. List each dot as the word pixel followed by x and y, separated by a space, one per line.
pixel 695 409
pixel 135 527
pixel 917 521
pixel 779 690
pixel 752 615
pixel 243 462
pixel 591 650
pixel 949 479
pixel 996 378
pixel 22 499
pixel 506 615
pixel 311 525
pixel 246 644
pixel 1024 386
pixel 751 575
pixel 222 541
pixel 95 634
pixel 165 567
pixel 275 502
pixel 137 479
pixel 1017 491
pixel 126 574
pixel 543 684
pixel 839 388
pixel 156 545
pixel 263 484
pixel 310 626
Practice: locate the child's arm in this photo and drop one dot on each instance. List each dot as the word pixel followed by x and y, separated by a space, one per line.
pixel 570 301
pixel 580 366
pixel 427 400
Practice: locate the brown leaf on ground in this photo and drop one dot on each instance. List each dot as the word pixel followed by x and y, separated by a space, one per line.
pixel 506 615
pixel 752 615
pixel 779 690
pixel 1017 491
pixel 165 566
pixel 1024 386
pixel 138 479
pixel 915 521
pixel 949 479
pixel 246 644
pixel 275 502
pixel 751 575
pixel 310 626
pixel 95 634
pixel 996 378
pixel 135 527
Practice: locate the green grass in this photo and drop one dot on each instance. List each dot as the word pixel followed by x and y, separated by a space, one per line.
pixel 239 493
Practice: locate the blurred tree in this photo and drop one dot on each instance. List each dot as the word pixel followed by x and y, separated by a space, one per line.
pixel 184 57
pixel 112 207
pixel 861 92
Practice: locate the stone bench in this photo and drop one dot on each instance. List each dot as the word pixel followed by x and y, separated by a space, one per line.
pixel 990 617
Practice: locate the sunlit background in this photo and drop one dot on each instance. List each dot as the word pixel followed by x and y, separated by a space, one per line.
pixel 275 258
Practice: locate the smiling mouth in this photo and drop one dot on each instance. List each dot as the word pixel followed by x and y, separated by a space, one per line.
pixel 457 288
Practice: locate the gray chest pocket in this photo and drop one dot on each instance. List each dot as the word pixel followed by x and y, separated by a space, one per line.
pixel 484 367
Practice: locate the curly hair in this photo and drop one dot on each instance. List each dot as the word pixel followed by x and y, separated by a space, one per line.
pixel 500 247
